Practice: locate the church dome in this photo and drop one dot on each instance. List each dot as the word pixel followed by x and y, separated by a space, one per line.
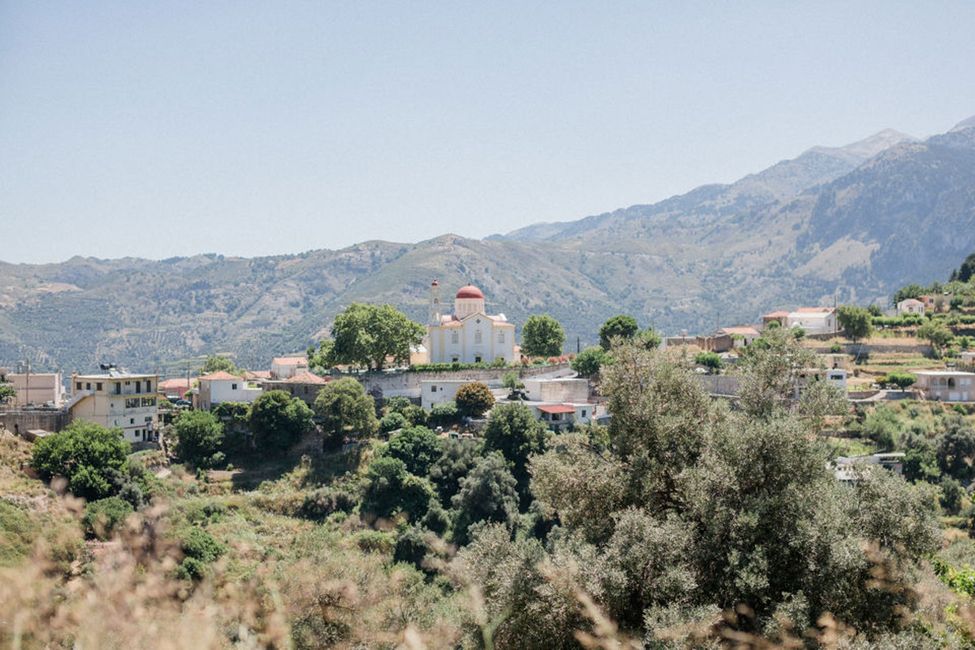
pixel 470 291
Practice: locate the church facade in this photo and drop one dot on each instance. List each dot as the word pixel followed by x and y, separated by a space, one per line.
pixel 469 334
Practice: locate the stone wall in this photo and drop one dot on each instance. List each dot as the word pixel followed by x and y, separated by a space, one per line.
pixel 407 383
pixel 19 421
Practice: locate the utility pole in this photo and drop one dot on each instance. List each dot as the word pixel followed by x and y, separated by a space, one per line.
pixel 27 382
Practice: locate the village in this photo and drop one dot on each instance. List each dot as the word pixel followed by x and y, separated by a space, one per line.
pixel 463 345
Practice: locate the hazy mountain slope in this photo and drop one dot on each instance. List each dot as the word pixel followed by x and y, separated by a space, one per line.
pixel 778 183
pixel 717 255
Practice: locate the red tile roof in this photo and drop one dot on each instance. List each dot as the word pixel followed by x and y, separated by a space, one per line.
pixel 174 383
pixel 221 376
pixel 257 374
pixel 290 361
pixel 470 291
pixel 306 378
pixel 556 408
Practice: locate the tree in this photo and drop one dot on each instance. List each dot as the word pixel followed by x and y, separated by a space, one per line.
pixel 443 414
pixel 474 399
pixel 617 328
pixel 390 490
pixel 542 336
pixel 87 455
pixel 320 359
pixel 588 362
pixel 278 420
pixel 511 381
pixel 199 436
pixel 910 291
pixel 418 447
pixel 956 450
pixel 217 363
pixel 709 360
pixel 393 422
pixel 344 408
pixel 857 322
pixel 964 272
pixel 7 392
pixel 648 339
pixel 772 368
pixel 457 460
pixel 366 335
pixel 104 516
pixel 487 494
pixel 514 431
pixel 902 380
pixel 936 333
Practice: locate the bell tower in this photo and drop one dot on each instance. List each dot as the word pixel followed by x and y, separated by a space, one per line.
pixel 436 308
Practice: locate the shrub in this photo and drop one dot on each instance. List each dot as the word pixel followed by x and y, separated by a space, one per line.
pixel 392 422
pixel 345 409
pixel 474 399
pixel 444 414
pixel 418 447
pixel 104 516
pixel 709 360
pixel 198 437
pixel 588 362
pixel 86 454
pixel 323 502
pixel 200 550
pixel 278 420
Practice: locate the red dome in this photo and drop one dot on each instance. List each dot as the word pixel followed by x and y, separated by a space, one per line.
pixel 470 291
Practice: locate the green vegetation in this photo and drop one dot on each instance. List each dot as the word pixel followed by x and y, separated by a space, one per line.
pixel 542 336
pixel 199 437
pixel 365 335
pixel 474 399
pixel 344 409
pixel 278 420
pixel 89 457
pixel 617 329
pixel 7 392
pixel 709 360
pixel 856 322
pixel 217 363
pixel 588 362
pixel 104 516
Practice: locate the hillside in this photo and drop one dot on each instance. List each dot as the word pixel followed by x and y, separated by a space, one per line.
pixel 852 223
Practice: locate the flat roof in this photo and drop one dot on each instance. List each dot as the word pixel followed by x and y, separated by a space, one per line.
pixel 944 373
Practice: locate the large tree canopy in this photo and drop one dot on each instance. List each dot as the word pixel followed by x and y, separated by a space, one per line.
pixel 344 408
pixel 542 336
pixel 89 456
pixel 617 328
pixel 367 335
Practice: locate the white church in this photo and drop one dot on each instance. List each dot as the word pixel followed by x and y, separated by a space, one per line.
pixel 469 334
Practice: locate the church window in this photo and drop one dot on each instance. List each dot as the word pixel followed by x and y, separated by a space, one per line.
pixel 477 336
pixel 501 336
pixel 455 337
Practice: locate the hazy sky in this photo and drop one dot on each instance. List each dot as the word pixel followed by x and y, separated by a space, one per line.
pixel 165 128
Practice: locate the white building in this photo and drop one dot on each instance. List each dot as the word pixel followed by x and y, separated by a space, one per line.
pixel 469 334
pixel 219 387
pixel 564 415
pixel 117 399
pixel 288 367
pixel 910 306
pixel 438 391
pixel 946 385
pixel 814 320
pixel 560 389
pixel 37 388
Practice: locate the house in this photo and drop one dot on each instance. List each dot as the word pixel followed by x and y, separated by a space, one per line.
pixel 559 416
pixel 286 367
pixel 910 306
pixel 257 375
pixel 780 317
pixel 946 385
pixel 175 388
pixel 37 388
pixel 936 302
pixel 304 385
pixel 117 399
pixel 469 334
pixel 219 387
pixel 740 336
pixel 835 376
pixel 846 469
pixel 814 320
pixel 561 389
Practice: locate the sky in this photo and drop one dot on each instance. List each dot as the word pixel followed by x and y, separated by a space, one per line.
pixel 157 129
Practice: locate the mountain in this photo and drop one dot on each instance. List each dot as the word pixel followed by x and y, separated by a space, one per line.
pixel 845 223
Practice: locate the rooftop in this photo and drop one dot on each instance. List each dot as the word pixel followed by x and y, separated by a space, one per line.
pixel 221 376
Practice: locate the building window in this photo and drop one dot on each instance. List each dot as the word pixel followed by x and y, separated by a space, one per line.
pixel 477 336
pixel 148 386
pixel 501 336
pixel 583 412
pixel 131 420
pixel 138 386
pixel 77 385
pixel 433 389
pixel 233 386
pixel 88 386
pixel 98 387
pixel 118 388
pixel 455 337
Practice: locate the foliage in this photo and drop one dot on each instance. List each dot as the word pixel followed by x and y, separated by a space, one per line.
pixel 199 436
pixel 772 368
pixel 200 550
pixel 883 427
pixel 857 322
pixel 588 362
pixel 217 363
pixel 902 380
pixel 956 450
pixel 392 422
pixel 278 420
pixel 964 272
pixel 618 328
pixel 953 496
pixel 710 360
pixel 85 454
pixel 937 333
pixel 474 399
pixel 390 489
pixel 648 339
pixel 487 494
pixel 345 409
pixel 7 392
pixel 513 430
pixel 542 336
pixel 104 516
pixel 910 291
pixel 418 447
pixel 511 381
pixel 444 414
pixel 366 335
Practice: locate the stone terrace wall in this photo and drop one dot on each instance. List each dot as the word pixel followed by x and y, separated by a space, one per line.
pixel 407 383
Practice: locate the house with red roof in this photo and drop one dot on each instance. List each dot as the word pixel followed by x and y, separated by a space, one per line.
pixel 304 385
pixel 219 387
pixel 286 367
pixel 467 334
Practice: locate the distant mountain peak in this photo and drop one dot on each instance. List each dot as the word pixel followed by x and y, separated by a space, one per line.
pixel 965 124
pixel 869 146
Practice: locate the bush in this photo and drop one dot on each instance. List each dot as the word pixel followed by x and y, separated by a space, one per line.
pixel 418 447
pixel 709 360
pixel 323 502
pixel 86 454
pixel 200 550
pixel 474 399
pixel 444 414
pixel 198 437
pixel 392 422
pixel 390 489
pixel 104 516
pixel 588 362
pixel 278 420
pixel 345 409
